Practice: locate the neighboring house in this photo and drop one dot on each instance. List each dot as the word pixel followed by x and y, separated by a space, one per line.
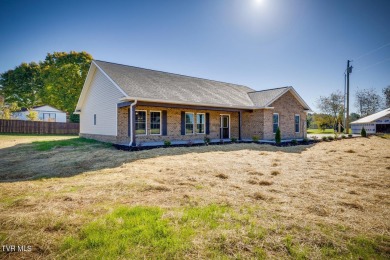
pixel 375 123
pixel 129 105
pixel 45 113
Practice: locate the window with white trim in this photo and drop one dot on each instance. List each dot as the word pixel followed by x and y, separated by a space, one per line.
pixel 140 122
pixel 297 120
pixel 155 122
pixel 189 123
pixel 200 123
pixel 275 121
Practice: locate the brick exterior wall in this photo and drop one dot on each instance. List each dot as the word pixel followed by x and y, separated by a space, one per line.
pixel 287 106
pixel 252 124
pixel 256 123
pixel 174 125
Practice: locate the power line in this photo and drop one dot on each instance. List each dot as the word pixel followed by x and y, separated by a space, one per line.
pixel 372 65
pixel 372 51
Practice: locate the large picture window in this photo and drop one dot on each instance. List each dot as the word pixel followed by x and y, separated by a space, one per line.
pixel 140 122
pixel 297 119
pixel 189 123
pixel 155 123
pixel 275 122
pixel 200 123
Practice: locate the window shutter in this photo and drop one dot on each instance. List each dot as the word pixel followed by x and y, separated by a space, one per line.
pixel 183 123
pixel 164 122
pixel 207 123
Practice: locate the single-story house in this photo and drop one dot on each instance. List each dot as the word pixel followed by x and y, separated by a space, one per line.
pixel 134 106
pixel 375 123
pixel 45 113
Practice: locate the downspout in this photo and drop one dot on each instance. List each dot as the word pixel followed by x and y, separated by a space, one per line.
pixel 131 121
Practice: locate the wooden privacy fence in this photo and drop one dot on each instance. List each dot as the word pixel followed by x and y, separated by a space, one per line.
pixel 38 127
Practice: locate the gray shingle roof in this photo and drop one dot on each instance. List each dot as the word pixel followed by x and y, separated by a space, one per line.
pixel 145 83
pixel 168 87
pixel 262 98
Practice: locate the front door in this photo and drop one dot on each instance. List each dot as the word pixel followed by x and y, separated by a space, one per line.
pixel 225 127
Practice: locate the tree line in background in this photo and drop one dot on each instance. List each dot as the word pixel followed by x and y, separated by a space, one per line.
pixel 367 102
pixel 57 81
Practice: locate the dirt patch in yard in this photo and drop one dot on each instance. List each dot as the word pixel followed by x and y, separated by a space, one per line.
pixel 305 199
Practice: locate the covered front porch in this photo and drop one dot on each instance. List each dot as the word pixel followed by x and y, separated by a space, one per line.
pixel 155 124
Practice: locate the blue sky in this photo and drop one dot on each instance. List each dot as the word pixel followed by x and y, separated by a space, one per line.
pixel 258 43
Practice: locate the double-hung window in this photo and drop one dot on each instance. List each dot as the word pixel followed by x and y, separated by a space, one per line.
pixel 275 122
pixel 189 123
pixel 200 123
pixel 297 120
pixel 155 123
pixel 140 122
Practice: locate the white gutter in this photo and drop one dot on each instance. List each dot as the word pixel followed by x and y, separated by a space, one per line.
pixel 131 121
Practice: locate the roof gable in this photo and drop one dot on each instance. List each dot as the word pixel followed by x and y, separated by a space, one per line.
pixel 265 98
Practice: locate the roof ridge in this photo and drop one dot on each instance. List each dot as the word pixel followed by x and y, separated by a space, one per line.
pixel 176 74
pixel 269 89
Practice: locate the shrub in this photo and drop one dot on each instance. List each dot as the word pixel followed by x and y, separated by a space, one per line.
pixel 349 135
pixel 315 138
pixel 330 138
pixel 343 137
pixel 363 133
pixel 233 139
pixel 306 140
pixel 294 142
pixel 167 143
pixel 324 138
pixel 255 138
pixel 206 140
pixel 278 136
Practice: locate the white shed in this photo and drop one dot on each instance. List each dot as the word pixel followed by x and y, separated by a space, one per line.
pixel 45 113
pixel 375 123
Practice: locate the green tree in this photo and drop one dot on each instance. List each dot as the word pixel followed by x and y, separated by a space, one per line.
pixel 32 115
pixel 22 85
pixel 332 105
pixel 323 121
pixel 363 133
pixel 63 76
pixel 278 137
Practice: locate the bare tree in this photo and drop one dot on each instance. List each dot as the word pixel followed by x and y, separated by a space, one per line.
pixel 386 92
pixel 332 105
pixel 367 101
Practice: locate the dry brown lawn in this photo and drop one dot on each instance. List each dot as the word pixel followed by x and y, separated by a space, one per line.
pixel 317 201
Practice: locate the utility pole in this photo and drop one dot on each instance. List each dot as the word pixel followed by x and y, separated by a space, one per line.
pixel 349 70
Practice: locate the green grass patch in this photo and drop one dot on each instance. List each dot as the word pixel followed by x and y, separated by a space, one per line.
pixel 294 249
pixel 74 142
pixel 139 232
pixel 204 217
pixel 319 131
pixel 365 248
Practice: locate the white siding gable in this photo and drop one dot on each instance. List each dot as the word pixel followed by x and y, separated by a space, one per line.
pixel 100 100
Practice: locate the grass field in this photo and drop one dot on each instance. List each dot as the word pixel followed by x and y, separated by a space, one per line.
pixel 319 131
pixel 80 199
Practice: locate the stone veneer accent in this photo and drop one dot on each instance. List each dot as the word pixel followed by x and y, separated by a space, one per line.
pixel 101 138
pixel 174 125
